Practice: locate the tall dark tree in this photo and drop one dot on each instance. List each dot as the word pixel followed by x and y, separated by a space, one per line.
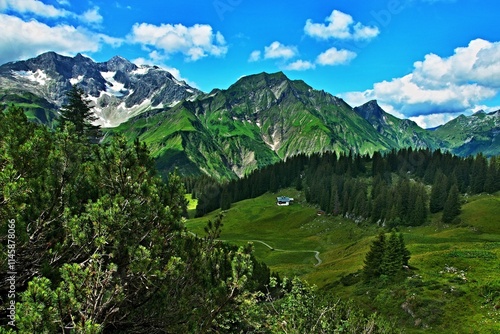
pixel 478 175
pixel 452 206
pixel 405 253
pixel 77 111
pixel 375 258
pixel 438 192
pixel 392 262
pixel 492 183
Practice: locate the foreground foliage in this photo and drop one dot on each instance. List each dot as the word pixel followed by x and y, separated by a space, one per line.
pixel 100 246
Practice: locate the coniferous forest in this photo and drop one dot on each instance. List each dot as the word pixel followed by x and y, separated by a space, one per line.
pixel 398 188
pixel 94 241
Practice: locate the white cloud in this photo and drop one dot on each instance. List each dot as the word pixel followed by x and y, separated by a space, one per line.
pixel 39 9
pixel 300 65
pixel 278 50
pixel 33 7
pixel 440 85
pixel 20 39
pixel 92 16
pixel 340 26
pixel 433 120
pixel 254 56
pixel 334 57
pixel 193 42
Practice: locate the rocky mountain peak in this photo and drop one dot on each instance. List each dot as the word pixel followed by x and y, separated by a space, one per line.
pixel 118 63
pixel 117 88
pixel 370 110
pixel 495 113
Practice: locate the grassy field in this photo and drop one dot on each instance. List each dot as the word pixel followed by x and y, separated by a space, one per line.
pixel 454 286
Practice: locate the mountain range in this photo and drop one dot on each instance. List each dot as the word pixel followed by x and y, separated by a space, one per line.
pixel 259 120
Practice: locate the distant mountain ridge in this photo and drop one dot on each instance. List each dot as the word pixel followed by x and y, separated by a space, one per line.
pixel 470 135
pixel 260 119
pixel 118 88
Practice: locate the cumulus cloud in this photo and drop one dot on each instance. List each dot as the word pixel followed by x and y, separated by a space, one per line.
pixel 92 16
pixel 20 39
pixel 254 56
pixel 434 120
pixel 300 65
pixel 39 9
pixel 278 50
pixel 193 42
pixel 440 85
pixel 33 7
pixel 340 25
pixel 333 57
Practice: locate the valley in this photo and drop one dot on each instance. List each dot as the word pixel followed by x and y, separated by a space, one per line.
pixel 453 286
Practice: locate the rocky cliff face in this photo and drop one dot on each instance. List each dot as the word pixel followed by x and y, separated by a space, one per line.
pixel 118 89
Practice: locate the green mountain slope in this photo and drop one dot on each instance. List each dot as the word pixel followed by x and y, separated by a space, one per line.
pixel 481 135
pixel 259 120
pixel 401 132
pixel 37 108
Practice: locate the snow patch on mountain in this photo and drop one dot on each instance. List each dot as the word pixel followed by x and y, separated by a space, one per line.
pixel 39 76
pixel 113 87
pixel 77 80
pixel 142 70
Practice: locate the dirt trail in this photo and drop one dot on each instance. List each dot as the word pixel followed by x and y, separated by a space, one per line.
pixel 316 253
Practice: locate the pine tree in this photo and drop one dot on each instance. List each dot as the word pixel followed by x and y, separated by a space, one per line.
pixel 478 176
pixel 438 192
pixel 335 204
pixel 452 206
pixel 225 198
pixel 386 258
pixel 393 257
pixel 375 258
pixel 78 112
pixel 405 253
pixel 419 212
pixel 492 177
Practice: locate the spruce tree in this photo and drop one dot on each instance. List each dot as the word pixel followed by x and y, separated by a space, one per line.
pixel 335 204
pixel 478 175
pixel 393 257
pixel 405 253
pixel 77 111
pixel 375 258
pixel 438 192
pixel 492 183
pixel 452 206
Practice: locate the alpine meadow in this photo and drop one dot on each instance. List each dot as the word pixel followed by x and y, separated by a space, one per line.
pixel 249 167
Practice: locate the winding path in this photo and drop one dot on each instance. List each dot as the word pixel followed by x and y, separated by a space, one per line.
pixel 316 253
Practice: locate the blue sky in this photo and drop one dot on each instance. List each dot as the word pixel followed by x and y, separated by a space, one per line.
pixel 427 60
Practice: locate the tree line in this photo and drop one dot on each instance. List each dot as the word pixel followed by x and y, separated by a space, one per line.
pixel 397 188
